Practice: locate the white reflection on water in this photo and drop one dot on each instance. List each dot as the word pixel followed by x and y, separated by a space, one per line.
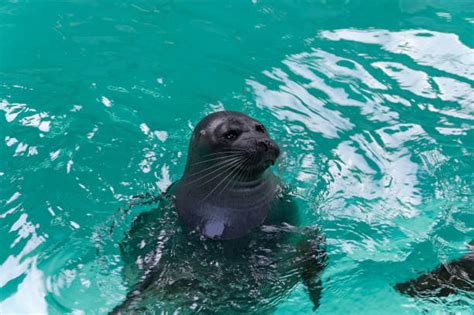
pixel 37 120
pixel 335 68
pixel 381 171
pixel 455 91
pixel 12 110
pixel 409 79
pixel 374 178
pixel 357 88
pixel 374 151
pixel 442 51
pixel 30 295
pixel 295 104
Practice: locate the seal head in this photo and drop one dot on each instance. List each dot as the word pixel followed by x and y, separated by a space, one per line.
pixel 228 186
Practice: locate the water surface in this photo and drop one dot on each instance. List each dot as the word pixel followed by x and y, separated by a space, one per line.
pixel 372 103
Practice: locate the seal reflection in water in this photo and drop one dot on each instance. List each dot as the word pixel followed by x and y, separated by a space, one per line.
pixel 225 239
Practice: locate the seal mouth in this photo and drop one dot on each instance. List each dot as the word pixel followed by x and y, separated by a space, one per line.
pixel 270 162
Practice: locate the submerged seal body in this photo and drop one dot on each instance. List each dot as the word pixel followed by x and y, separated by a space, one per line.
pixel 227 187
pixel 225 240
pixel 450 278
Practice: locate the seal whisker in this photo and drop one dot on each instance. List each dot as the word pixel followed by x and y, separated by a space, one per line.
pixel 245 169
pixel 222 167
pixel 218 184
pixel 237 174
pixel 218 158
pixel 234 164
pixel 215 167
pixel 224 152
pixel 218 163
pixel 243 173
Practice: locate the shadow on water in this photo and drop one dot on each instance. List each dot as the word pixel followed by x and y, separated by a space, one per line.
pixel 370 100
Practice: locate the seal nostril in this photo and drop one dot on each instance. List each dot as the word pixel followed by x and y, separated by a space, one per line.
pixel 263 145
pixel 260 128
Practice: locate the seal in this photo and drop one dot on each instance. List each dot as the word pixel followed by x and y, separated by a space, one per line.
pixel 450 278
pixel 227 187
pixel 225 237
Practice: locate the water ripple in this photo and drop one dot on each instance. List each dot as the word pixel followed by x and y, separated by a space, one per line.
pixel 442 51
pixel 371 102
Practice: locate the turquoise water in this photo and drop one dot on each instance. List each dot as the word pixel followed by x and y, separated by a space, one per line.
pixel 372 103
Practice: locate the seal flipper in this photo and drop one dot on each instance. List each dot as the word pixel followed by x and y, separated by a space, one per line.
pixel 313 261
pixel 311 254
pixel 132 299
pixel 447 279
pixel 135 300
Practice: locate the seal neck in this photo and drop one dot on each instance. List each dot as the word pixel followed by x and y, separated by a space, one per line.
pixel 251 182
pixel 210 176
pixel 225 209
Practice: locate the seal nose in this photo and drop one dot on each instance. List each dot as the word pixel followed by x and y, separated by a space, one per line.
pixel 277 150
pixel 263 145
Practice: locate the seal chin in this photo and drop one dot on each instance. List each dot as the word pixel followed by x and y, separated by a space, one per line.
pixel 260 167
pixel 263 159
pixel 270 162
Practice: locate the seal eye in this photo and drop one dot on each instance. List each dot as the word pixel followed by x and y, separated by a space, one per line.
pixel 231 134
pixel 260 128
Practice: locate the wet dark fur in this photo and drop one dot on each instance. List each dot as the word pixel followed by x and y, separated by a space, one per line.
pixel 230 202
pixel 220 246
pixel 450 278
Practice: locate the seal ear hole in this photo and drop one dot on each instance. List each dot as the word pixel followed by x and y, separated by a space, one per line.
pixel 202 133
pixel 260 128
